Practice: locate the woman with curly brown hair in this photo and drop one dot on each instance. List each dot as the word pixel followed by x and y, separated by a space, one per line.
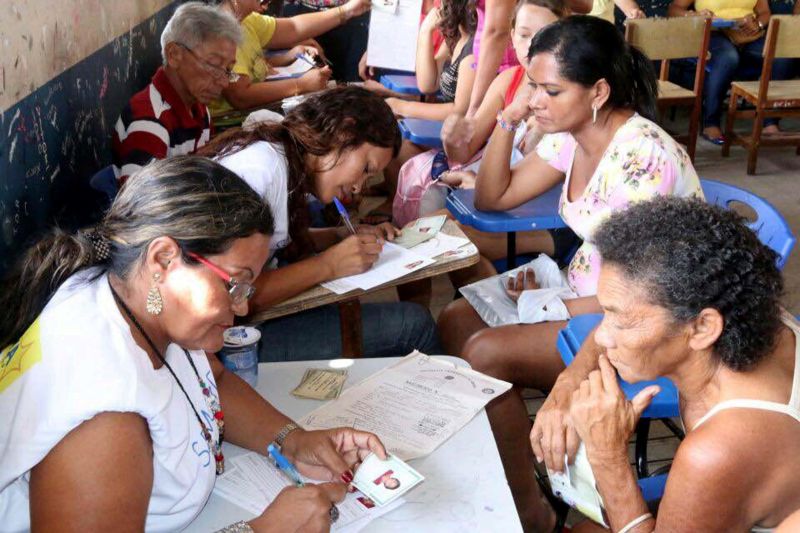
pixel 326 147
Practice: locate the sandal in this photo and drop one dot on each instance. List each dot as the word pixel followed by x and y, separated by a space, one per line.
pixel 719 141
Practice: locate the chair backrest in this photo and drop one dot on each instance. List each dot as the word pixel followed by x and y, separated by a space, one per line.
pixel 668 38
pixel 787 42
pixel 770 226
pixel 105 181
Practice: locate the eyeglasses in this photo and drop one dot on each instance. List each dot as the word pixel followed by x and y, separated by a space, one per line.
pixel 240 291
pixel 217 72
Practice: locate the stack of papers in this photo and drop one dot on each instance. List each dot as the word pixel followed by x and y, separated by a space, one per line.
pixel 394 262
pixel 252 482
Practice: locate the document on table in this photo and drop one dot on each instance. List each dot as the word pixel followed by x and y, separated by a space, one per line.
pixel 295 70
pixel 413 406
pixel 252 482
pixel 440 244
pixel 394 262
pixel 392 39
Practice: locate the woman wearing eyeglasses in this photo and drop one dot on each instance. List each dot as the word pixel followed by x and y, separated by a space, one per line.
pixel 112 413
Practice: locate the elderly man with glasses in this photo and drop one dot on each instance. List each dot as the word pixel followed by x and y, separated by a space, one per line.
pixel 170 116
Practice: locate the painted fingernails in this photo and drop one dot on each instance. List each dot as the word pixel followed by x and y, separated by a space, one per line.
pixel 347 477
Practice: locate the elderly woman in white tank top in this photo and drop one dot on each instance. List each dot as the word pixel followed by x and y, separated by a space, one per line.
pixel 689 293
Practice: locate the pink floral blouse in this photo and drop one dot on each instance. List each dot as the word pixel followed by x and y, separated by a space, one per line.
pixel 642 161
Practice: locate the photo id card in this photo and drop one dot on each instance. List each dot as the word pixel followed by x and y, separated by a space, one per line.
pixel 383 481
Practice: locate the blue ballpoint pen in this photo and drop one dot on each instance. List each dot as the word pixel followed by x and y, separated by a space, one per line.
pixel 289 469
pixel 285 466
pixel 344 215
pixel 303 57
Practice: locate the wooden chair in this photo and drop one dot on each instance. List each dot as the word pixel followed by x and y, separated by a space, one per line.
pixel 770 98
pixel 675 38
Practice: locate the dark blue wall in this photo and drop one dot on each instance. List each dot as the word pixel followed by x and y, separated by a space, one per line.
pixel 56 138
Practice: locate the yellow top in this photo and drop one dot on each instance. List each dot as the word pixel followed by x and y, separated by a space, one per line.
pixel 727 9
pixel 257 32
pixel 603 9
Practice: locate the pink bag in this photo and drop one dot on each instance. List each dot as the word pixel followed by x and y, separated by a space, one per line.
pixel 417 193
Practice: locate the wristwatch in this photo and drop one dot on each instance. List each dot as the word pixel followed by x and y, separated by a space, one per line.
pixel 284 432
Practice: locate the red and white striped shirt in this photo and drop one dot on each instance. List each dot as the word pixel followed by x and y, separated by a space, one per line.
pixel 157 124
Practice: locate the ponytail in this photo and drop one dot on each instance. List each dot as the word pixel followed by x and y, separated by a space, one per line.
pixel 645 84
pixel 34 279
pixel 198 203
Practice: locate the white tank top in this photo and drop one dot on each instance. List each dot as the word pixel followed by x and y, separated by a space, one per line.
pixel 79 359
pixel 791 409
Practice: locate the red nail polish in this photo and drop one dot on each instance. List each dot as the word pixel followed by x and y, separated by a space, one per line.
pixel 347 476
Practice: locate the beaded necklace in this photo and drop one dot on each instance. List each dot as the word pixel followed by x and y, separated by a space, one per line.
pixel 212 403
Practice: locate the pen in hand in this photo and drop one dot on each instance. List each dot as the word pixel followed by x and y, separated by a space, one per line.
pixel 344 215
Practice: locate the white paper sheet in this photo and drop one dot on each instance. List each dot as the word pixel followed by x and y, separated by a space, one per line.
pixel 296 69
pixel 440 244
pixel 413 406
pixel 392 39
pixel 394 262
pixel 252 482
pixel 577 486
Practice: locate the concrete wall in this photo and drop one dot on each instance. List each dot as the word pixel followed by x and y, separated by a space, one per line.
pixel 66 70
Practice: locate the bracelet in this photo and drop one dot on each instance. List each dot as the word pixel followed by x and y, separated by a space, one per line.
pixel 237 527
pixel 506 125
pixel 342 15
pixel 635 522
pixel 284 432
pixel 296 88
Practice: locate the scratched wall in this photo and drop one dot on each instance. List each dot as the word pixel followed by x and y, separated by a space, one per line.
pixel 66 70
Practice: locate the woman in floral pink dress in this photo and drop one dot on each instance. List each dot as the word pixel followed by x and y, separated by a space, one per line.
pixel 593 97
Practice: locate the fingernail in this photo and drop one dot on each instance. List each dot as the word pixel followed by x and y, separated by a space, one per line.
pixel 347 476
pixel 351 488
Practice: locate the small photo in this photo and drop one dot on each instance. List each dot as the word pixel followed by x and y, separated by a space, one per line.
pixel 366 502
pixel 383 481
pixel 413 265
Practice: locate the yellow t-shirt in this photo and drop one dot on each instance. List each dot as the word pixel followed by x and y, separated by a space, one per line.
pixel 603 9
pixel 257 32
pixel 727 9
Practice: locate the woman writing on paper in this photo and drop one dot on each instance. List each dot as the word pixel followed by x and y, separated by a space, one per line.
pixel 591 94
pixel 112 411
pixel 327 146
pixel 689 293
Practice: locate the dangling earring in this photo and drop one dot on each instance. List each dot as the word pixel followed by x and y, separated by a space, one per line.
pixel 594 114
pixel 154 302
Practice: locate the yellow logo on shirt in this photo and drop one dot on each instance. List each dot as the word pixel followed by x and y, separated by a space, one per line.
pixel 19 357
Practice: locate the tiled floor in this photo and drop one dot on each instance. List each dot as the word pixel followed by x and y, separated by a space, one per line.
pixel 778 181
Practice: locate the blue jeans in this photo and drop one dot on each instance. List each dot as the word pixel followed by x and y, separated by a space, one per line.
pixel 725 60
pixel 389 329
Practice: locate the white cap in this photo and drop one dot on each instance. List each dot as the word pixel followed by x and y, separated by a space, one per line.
pixel 241 336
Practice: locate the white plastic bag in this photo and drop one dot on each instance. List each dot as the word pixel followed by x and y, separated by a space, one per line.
pixel 489 298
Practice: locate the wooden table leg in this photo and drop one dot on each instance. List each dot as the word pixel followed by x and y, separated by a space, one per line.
pixel 351 328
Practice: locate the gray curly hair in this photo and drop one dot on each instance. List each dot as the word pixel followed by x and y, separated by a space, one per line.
pixel 195 22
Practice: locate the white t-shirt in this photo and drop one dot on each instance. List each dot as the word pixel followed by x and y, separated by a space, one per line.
pixel 79 359
pixel 264 167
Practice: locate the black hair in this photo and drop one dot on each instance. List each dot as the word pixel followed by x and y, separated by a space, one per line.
pixel 588 49
pixel 689 255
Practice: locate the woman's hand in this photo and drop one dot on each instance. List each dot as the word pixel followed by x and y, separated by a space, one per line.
pixel 315 79
pixel 431 21
pixel 365 72
pixel 354 255
pixel 305 509
pixel 519 109
pixel 398 106
pixel 331 454
pixel 602 416
pixel 748 25
pixel 525 280
pixel 385 231
pixel 457 130
pixel 354 8
pixel 304 50
pixel 635 13
pixel 458 179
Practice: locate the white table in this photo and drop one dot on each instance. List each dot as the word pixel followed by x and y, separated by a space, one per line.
pixel 465 488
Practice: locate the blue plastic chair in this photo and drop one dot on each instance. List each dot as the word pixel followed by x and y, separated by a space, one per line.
pixel 422 132
pixel 770 226
pixel 105 181
pixel 771 229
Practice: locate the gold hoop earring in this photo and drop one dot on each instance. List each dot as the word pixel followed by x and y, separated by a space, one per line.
pixel 154 302
pixel 594 114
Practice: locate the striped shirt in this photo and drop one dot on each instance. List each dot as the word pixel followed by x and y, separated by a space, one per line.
pixel 157 124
